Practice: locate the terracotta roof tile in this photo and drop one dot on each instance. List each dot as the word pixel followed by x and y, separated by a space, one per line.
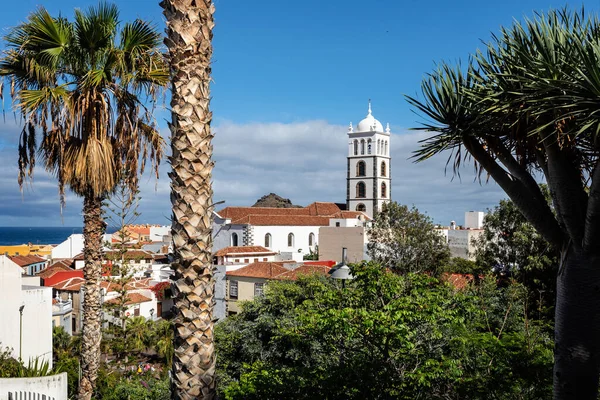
pixel 132 298
pixel 23 261
pixel 315 214
pixel 304 270
pixel 237 250
pixel 63 265
pixel 266 270
pixel 71 284
pixel 283 220
pixel 459 281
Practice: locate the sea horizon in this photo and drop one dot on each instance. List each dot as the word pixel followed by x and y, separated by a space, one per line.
pixel 17 235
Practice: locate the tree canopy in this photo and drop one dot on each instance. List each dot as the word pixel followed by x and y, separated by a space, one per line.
pixel 383 336
pixel 405 240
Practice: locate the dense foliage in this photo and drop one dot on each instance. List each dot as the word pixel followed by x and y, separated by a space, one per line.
pixel 512 247
pixel 383 336
pixel 404 239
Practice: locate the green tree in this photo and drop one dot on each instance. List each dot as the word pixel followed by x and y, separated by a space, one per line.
pixel 512 246
pixel 383 336
pixel 61 342
pixel 405 240
pixel 189 40
pixel 81 85
pixel 524 106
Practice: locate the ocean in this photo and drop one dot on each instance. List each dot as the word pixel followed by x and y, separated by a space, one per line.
pixel 45 235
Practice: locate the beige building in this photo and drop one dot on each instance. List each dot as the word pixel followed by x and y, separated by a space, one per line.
pixel 248 282
pixel 333 239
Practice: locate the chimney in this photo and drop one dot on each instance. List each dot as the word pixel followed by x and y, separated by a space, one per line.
pixel 344 251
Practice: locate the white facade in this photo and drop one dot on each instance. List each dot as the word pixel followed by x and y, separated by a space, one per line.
pixel 73 246
pixel 158 233
pixel 35 338
pixel 369 166
pixel 280 239
pixel 474 219
pixel 53 387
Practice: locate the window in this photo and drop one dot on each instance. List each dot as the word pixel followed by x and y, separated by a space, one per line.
pixel 246 260
pixel 360 189
pixel 291 240
pixel 259 289
pixel 337 224
pixel 361 207
pixel 383 190
pixel 361 168
pixel 233 289
pixel 383 169
pixel 265 259
pixel 362 147
pixel 136 312
pixel 256 260
pixel 311 239
pixel 369 146
pixel 385 150
pixel 268 240
pixel 355 147
pixel 236 260
pixel 378 146
pixel 234 239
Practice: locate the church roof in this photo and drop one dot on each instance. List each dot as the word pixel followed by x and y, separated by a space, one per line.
pixel 315 214
pixel 369 123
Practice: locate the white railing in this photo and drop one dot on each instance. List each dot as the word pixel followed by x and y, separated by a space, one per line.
pixel 53 387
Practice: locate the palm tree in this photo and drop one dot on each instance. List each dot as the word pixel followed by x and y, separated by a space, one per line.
pixel 528 107
pixel 138 330
pixel 189 39
pixel 82 85
pixel 163 335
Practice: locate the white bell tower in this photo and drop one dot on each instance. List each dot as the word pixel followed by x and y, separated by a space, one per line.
pixel 369 180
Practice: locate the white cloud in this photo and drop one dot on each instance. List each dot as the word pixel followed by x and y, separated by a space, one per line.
pixel 303 161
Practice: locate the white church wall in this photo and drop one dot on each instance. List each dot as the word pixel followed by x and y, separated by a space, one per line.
pixel 279 238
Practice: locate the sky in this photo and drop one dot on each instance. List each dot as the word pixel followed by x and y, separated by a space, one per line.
pixel 288 78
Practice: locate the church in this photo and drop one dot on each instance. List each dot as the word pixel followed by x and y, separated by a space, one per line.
pixel 369 166
pixel 294 232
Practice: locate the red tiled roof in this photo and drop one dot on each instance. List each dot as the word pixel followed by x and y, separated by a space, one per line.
pixel 266 270
pixel 328 263
pixel 132 298
pixel 322 208
pixel 304 270
pixel 63 265
pixel 23 261
pixel 61 276
pixel 238 250
pixel 315 214
pixel 283 220
pixel 459 281
pixel 234 213
pixel 71 284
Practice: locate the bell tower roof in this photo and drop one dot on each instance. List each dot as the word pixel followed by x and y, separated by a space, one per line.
pixel 369 123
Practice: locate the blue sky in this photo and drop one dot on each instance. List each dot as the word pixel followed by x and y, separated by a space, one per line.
pixel 288 78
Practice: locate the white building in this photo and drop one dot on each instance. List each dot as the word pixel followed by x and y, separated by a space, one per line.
pixel 290 232
pixel 73 246
pixel 26 312
pixel 461 239
pixel 369 181
pixel 159 233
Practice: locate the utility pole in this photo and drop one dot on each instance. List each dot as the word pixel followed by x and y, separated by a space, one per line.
pixel 21 331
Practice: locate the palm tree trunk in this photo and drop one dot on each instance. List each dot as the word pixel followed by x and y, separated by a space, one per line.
pixel 93 231
pixel 189 39
pixel 577 327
